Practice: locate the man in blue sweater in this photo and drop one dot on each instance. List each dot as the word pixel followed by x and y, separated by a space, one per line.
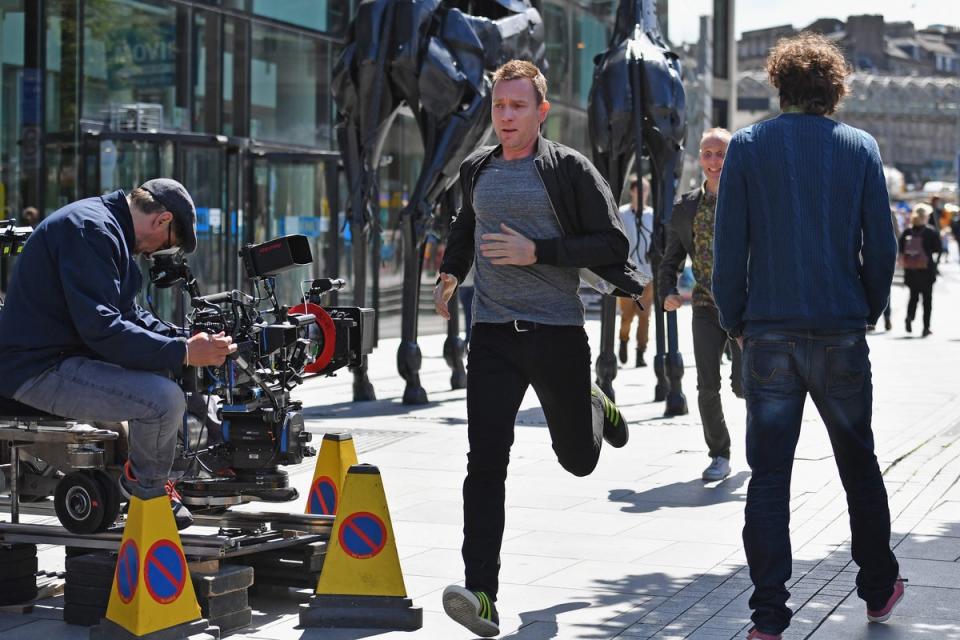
pixel 804 253
pixel 75 343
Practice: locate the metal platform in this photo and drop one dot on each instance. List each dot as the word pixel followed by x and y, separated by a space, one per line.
pixel 238 534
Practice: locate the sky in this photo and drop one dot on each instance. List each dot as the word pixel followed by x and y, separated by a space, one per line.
pixel 758 14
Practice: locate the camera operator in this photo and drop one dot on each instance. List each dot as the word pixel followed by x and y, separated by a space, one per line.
pixel 75 343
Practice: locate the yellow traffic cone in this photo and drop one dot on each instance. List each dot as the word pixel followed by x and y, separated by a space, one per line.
pixel 152 594
pixel 361 584
pixel 337 454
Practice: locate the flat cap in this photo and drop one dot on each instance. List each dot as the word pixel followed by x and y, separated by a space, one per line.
pixel 175 199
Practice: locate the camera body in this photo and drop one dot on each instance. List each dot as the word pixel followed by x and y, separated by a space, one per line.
pixel 261 426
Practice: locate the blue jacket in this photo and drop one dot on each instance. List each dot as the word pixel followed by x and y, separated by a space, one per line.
pixel 74 293
pixel 803 235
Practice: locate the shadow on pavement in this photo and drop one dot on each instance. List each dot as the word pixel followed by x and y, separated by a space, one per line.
pixel 693 493
pixel 373 409
pixel 542 623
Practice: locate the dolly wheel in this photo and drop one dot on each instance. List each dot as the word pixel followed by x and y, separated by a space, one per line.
pixel 112 498
pixel 80 503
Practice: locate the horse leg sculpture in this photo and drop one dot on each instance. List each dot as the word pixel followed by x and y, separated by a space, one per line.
pixel 408 354
pixel 453 346
pixel 668 361
pixel 659 370
pixel 636 109
pixel 359 232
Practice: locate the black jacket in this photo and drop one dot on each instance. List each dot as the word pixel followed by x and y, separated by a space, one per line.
pixel 593 236
pixel 679 242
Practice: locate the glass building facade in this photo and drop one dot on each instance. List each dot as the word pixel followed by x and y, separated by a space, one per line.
pixel 232 98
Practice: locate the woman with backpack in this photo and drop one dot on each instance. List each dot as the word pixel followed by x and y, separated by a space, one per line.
pixel 918 243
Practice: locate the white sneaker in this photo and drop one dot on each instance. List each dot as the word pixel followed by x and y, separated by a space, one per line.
pixel 718 470
pixel 473 609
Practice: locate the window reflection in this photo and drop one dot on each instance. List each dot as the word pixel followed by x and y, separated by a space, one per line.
pixel 130 65
pixel 11 69
pixel 558 51
pixel 590 38
pixel 286 103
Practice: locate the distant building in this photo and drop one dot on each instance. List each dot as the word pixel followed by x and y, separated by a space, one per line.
pixel 753 46
pixel 870 44
pixel 710 69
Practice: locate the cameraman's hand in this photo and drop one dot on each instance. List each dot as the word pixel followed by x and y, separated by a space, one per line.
pixel 442 294
pixel 204 350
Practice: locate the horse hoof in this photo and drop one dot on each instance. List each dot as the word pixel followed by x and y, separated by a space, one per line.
pixel 363 391
pixel 676 405
pixel 415 395
pixel 458 380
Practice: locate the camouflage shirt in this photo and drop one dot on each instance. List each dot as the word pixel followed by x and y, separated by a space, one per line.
pixel 702 257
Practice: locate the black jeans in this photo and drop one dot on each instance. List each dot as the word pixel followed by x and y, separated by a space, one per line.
pixel 502 364
pixel 924 289
pixel 709 340
pixel 780 369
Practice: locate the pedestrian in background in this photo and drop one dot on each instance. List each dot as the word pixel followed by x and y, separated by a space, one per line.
pixel 30 217
pixel 804 254
pixel 955 228
pixel 638 225
pixel 690 233
pixel 918 244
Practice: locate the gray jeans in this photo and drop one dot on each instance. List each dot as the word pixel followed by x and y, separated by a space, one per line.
pixel 709 339
pixel 85 389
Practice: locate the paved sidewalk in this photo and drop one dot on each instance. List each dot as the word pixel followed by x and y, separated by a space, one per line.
pixel 642 548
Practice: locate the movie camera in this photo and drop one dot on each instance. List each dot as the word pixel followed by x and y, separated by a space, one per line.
pixel 260 426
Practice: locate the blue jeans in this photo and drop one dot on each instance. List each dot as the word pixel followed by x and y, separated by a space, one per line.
pixel 92 390
pixel 779 370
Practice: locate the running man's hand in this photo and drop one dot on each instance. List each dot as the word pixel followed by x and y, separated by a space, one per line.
pixel 442 294
pixel 672 302
pixel 204 350
pixel 509 247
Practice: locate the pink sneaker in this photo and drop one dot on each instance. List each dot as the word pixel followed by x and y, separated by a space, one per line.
pixel 882 615
pixel 756 634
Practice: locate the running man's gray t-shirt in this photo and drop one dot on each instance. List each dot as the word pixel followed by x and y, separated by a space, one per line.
pixel 512 192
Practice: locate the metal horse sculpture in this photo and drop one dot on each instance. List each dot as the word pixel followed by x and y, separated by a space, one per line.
pixel 636 109
pixel 434 57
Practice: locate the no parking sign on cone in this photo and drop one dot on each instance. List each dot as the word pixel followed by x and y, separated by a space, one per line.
pixel 361 584
pixel 337 454
pixel 152 595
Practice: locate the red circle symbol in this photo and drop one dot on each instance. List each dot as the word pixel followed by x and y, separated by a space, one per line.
pixel 328 332
pixel 323 496
pixel 362 535
pixel 127 574
pixel 165 571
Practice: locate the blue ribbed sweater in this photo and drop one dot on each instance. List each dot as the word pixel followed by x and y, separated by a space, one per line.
pixel 803 236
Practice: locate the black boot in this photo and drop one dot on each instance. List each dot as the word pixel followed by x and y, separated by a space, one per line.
pixel 623 352
pixel 640 361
